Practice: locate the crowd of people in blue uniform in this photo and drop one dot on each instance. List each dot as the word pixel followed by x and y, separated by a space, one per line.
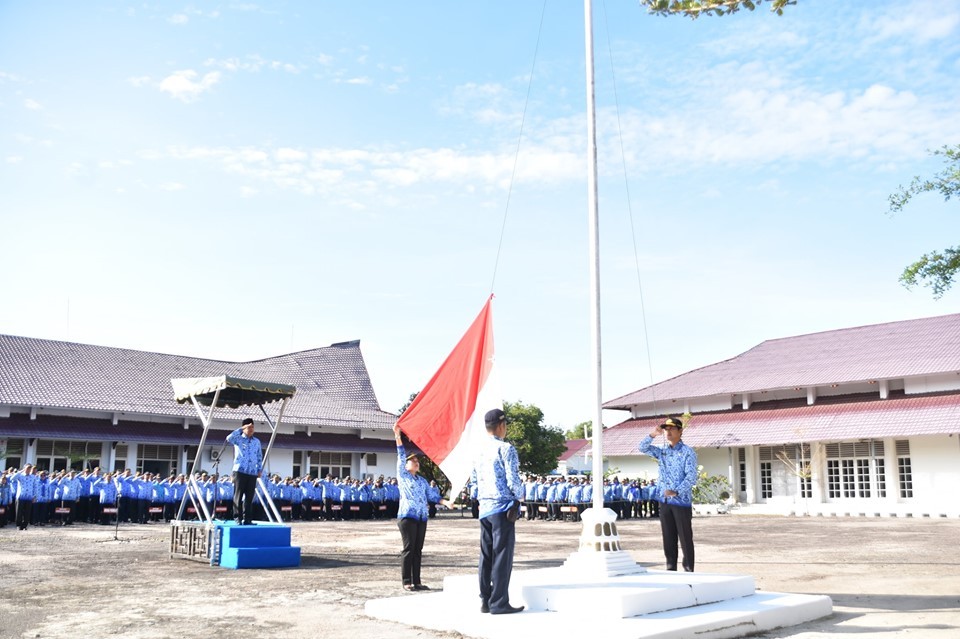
pixel 36 497
pixel 564 498
pixel 93 496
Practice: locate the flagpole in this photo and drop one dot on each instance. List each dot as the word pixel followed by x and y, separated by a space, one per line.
pixel 599 553
pixel 594 235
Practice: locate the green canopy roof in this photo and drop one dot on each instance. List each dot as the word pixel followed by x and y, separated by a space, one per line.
pixel 234 392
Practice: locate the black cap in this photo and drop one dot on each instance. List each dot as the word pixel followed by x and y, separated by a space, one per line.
pixel 246 421
pixel 494 417
pixel 673 421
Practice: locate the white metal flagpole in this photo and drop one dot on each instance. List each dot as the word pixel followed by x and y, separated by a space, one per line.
pixel 599 552
pixel 594 235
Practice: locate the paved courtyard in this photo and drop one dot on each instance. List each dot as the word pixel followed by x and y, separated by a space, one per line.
pixel 887 577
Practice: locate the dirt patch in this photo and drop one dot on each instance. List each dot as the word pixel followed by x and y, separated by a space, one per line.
pixel 887 577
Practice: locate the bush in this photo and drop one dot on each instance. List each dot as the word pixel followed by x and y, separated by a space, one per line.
pixel 710 489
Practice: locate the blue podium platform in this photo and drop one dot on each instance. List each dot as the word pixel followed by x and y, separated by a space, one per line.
pixel 259 545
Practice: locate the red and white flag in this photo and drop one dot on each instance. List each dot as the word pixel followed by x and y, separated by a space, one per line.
pixel 445 420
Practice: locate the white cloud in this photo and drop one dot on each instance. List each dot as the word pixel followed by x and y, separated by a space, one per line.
pixel 140 81
pixel 184 86
pixel 923 21
pixel 178 18
pixel 290 155
pixel 33 105
pixel 13 159
pixel 247 191
pixel 172 186
pixel 360 80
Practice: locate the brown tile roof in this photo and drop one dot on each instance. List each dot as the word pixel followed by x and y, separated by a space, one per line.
pixel 881 351
pixel 850 419
pixel 333 386
pixel 573 447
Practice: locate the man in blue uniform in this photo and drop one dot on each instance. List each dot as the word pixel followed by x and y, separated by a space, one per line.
pixel 674 490
pixel 499 490
pixel 247 467
pixel 26 485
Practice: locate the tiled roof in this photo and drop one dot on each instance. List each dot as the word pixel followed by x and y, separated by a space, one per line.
pixel 333 386
pixel 573 447
pixel 77 428
pixel 899 416
pixel 881 351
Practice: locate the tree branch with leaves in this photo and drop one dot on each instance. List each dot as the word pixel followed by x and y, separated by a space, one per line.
pixel 696 8
pixel 937 268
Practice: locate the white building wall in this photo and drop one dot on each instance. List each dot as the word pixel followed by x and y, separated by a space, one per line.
pixel 935 461
pixel 931 384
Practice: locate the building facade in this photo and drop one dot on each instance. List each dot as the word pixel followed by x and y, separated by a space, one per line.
pixel 862 421
pixel 69 405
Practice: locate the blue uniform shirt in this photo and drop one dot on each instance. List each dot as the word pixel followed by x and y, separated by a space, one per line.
pixel 413 491
pixel 497 473
pixel 247 453
pixel 677 471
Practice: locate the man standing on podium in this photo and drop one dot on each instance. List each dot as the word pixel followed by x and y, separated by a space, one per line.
pixel 247 467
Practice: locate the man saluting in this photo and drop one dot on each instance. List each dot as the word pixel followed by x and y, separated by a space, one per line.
pixel 247 467
pixel 674 490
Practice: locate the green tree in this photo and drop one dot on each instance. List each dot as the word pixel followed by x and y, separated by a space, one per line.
pixel 538 446
pixel 696 8
pixel 580 430
pixel 937 268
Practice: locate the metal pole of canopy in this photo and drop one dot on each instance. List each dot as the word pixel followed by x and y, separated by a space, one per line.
pixel 270 510
pixel 274 427
pixel 206 420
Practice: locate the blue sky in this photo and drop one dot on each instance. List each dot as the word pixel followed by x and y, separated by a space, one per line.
pixel 241 180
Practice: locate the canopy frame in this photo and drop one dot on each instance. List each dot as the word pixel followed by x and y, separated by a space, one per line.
pixel 231 392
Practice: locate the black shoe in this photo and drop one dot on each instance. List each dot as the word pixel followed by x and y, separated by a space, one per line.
pixel 484 607
pixel 420 587
pixel 509 610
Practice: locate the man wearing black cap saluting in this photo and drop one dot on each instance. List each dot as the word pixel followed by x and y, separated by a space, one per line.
pixel 674 490
pixel 499 490
pixel 247 467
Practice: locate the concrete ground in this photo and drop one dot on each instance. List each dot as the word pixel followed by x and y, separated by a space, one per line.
pixel 888 577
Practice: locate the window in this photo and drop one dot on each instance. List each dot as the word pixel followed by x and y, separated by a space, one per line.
pixel 856 470
pixel 11 451
pixel 158 459
pixel 833 479
pixel 742 457
pixel 766 480
pixel 881 478
pixel 306 463
pixel 120 458
pixel 787 464
pixel 54 456
pixel 904 469
pixel 336 464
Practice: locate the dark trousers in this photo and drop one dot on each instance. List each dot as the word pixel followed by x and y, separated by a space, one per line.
pixel 497 538
pixel 244 488
pixel 412 532
pixel 676 522
pixel 24 512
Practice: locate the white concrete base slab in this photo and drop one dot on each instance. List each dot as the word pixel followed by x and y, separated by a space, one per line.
pixel 656 604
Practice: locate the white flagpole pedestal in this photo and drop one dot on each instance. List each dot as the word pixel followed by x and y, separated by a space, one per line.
pixel 600 554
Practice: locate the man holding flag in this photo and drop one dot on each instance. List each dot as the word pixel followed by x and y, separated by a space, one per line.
pixel 444 421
